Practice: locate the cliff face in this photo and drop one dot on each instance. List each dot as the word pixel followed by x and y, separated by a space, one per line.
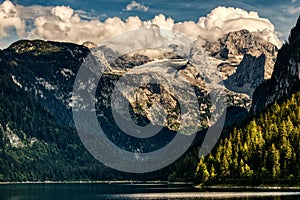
pixel 244 58
pixel 234 45
pixel 150 102
pixel 286 75
pixel 249 74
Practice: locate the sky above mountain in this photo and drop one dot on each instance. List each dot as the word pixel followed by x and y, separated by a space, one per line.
pixel 96 20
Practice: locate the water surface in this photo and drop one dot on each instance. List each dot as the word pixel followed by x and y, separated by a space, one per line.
pixel 97 191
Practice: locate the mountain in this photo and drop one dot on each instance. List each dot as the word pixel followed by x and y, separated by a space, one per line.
pixel 38 140
pixel 36 122
pixel 36 144
pixel 244 58
pixel 285 79
pixel 263 148
pixel 46 71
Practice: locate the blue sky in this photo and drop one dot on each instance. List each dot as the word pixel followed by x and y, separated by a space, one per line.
pixel 282 13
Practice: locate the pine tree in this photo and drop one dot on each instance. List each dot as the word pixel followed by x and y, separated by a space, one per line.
pixel 248 172
pixel 202 173
pixel 275 157
pixel 213 173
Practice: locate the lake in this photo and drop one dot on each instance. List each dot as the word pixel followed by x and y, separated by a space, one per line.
pixel 101 191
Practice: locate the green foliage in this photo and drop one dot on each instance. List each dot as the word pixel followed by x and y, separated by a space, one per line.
pixel 202 172
pixel 265 149
pixel 49 151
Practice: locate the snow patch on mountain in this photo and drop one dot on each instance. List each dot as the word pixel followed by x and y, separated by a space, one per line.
pixel 67 73
pixel 46 84
pixel 14 79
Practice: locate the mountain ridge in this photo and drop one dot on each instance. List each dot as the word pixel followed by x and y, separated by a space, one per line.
pixel 285 79
pixel 241 54
pixel 46 78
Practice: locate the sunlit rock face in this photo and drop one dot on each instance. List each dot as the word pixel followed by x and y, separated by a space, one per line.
pixel 244 58
pixel 150 101
pixel 249 74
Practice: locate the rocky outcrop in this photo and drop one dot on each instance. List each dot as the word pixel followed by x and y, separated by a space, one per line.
pixel 89 45
pixel 150 102
pixel 236 56
pixel 249 75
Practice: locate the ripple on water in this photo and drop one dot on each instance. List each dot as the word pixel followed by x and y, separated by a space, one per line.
pixel 202 195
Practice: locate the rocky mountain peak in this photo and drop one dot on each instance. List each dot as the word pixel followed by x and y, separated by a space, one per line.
pixel 249 74
pixel 244 58
pixel 241 42
pixel 234 45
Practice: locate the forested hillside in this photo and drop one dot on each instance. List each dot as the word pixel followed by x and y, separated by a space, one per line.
pixel 266 150
pixel 33 145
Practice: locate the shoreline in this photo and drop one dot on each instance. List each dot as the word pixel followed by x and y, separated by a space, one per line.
pixel 247 187
pixel 205 187
pixel 98 182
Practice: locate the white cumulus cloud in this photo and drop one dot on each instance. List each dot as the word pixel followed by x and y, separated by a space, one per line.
pixel 136 6
pixel 9 19
pixel 161 21
pixel 62 23
pixel 223 20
